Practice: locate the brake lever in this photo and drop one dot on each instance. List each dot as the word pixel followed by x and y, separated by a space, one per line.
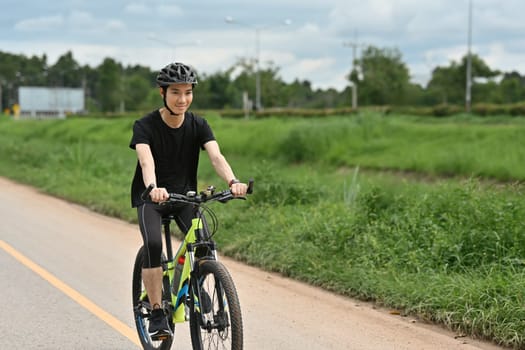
pixel 144 196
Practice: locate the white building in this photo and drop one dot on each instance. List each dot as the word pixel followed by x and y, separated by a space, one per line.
pixel 50 102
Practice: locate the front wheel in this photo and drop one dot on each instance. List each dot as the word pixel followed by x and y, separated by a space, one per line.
pixel 215 312
pixel 142 307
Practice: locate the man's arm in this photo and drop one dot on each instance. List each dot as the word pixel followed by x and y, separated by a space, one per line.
pixel 223 169
pixel 147 164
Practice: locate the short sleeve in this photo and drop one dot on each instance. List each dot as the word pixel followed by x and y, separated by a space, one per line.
pixel 205 133
pixel 140 135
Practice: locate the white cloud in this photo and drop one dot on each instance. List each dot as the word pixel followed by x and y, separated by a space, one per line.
pixel 169 11
pixel 445 55
pixel 162 10
pixel 372 15
pixel 315 66
pixel 80 18
pixel 427 34
pixel 40 23
pixel 114 24
pixel 309 28
pixel 321 72
pixel 499 57
pixel 136 8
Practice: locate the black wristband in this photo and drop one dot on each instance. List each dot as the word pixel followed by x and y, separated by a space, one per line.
pixel 233 181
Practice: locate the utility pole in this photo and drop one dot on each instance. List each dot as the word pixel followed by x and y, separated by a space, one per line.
pixel 468 97
pixel 258 105
pixel 258 29
pixel 354 46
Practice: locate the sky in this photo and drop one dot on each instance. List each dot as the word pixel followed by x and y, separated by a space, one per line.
pixel 306 39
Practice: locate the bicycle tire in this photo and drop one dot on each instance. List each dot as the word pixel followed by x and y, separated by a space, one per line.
pixel 214 279
pixel 141 311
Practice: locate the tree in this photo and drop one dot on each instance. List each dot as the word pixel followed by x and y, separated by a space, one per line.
pixel 109 92
pixel 135 92
pixel 384 77
pixel 449 82
pixel 512 88
pixel 34 71
pixel 65 72
pixel 271 84
pixel 245 80
pixel 298 94
pixel 215 90
pixel 16 71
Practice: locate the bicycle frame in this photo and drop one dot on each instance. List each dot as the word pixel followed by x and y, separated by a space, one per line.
pixel 195 286
pixel 192 240
pixel 186 249
pixel 178 300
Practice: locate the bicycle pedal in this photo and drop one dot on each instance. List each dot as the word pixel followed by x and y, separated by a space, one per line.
pixel 160 337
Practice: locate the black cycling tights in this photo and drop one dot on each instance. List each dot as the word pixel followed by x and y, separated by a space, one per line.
pixel 150 223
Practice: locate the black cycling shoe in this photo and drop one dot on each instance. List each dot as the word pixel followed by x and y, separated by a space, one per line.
pixel 159 329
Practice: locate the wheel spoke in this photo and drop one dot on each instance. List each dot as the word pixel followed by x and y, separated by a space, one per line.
pixel 223 327
pixel 142 308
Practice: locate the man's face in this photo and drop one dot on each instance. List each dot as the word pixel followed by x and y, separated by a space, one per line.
pixel 179 97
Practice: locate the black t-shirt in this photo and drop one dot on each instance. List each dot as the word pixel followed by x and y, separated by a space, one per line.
pixel 175 152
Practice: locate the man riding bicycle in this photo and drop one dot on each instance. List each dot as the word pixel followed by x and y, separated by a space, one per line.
pixel 168 142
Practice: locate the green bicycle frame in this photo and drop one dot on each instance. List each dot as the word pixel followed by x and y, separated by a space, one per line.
pixel 178 299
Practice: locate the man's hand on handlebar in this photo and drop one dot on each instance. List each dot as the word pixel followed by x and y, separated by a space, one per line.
pixel 239 189
pixel 159 194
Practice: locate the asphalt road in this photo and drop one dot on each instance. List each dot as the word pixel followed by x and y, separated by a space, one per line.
pixel 65 283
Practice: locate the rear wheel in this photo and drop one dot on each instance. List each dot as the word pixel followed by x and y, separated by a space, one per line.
pixel 142 307
pixel 215 317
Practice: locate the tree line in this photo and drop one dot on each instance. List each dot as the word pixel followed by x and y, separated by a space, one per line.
pixel 380 74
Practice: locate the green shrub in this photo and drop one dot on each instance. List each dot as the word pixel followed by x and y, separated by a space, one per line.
pixel 486 109
pixel 517 109
pixel 287 112
pixel 451 228
pixel 445 110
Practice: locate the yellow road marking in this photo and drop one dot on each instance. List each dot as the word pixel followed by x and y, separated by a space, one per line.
pixel 73 294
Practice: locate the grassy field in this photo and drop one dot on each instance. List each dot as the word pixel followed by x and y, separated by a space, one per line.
pixel 421 214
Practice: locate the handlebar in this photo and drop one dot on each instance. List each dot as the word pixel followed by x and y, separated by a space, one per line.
pixel 203 197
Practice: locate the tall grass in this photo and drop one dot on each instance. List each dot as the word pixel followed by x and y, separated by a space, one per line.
pixel 462 146
pixel 372 141
pixel 451 251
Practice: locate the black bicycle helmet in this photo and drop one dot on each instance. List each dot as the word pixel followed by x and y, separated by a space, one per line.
pixel 176 73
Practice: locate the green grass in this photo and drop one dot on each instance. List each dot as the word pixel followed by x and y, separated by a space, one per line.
pixel 450 250
pixel 372 141
pixel 462 146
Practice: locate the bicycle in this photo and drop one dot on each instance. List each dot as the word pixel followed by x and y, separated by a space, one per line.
pixel 196 287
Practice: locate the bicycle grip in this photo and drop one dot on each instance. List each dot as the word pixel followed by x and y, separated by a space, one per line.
pixel 250 187
pixel 145 194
